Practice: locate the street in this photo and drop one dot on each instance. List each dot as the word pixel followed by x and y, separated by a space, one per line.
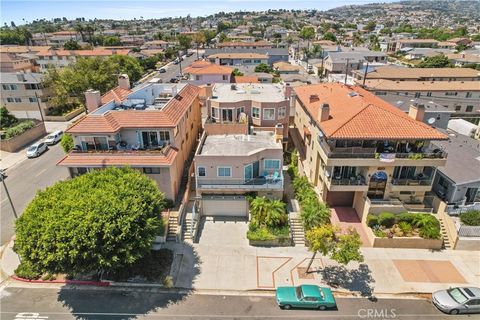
pixel 89 304
pixel 172 70
pixel 24 180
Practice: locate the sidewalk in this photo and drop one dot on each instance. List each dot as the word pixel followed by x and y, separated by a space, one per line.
pixel 242 268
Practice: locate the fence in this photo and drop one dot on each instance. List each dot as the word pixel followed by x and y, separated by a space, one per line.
pixel 455 210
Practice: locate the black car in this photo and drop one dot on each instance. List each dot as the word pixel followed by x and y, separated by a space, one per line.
pixel 189 54
pixel 162 70
pixel 173 80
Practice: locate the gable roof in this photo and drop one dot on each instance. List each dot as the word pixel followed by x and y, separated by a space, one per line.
pixel 112 121
pixel 117 94
pixel 358 114
pixel 209 69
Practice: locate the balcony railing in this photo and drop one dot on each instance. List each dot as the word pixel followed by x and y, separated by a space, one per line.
pixel 349 182
pixel 412 182
pixel 130 152
pixel 232 183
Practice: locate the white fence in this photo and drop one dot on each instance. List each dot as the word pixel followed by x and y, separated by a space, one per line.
pixel 454 210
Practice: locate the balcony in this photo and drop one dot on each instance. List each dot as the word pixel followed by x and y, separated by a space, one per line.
pixel 260 183
pixel 357 183
pixel 412 182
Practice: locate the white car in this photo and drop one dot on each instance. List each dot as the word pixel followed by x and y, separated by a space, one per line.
pixel 54 137
pixel 36 149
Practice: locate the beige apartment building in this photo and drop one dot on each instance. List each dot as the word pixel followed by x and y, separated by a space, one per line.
pixel 152 128
pixel 354 146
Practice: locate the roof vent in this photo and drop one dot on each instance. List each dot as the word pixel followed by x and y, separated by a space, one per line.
pixel 314 98
pixel 233 87
pixel 353 94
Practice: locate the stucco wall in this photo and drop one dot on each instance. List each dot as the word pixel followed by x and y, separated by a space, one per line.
pixel 16 143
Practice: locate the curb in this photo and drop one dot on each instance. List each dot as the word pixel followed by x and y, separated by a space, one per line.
pixel 74 282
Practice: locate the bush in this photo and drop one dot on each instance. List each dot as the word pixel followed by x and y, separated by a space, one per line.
pixel 430 231
pixel 379 232
pixel 26 270
pixel 372 220
pixel 471 218
pixel 6 119
pixel 406 217
pixel 386 219
pixel 405 227
pixel 169 204
pixel 259 234
pixel 18 129
pixel 67 143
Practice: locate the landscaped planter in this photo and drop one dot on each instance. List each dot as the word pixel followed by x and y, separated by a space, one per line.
pixel 271 243
pixel 66 117
pixel 403 242
pixel 16 143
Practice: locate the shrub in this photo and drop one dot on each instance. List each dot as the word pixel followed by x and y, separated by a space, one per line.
pixel 406 217
pixel 430 231
pixel 27 270
pixel 372 220
pixel 18 129
pixel 379 232
pixel 471 218
pixel 405 227
pixel 67 143
pixel 386 219
pixel 169 204
pixel 6 119
pixel 259 234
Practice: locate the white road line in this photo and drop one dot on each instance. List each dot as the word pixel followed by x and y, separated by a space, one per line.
pixel 40 172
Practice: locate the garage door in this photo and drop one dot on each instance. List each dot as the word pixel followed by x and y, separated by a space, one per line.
pixel 340 199
pixel 229 206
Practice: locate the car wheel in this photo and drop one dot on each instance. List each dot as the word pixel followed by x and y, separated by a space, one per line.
pixel 454 311
pixel 287 307
pixel 323 308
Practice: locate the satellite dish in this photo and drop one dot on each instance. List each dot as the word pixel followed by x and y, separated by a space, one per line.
pixel 431 120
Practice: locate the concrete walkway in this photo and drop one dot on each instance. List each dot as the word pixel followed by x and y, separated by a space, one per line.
pixel 346 217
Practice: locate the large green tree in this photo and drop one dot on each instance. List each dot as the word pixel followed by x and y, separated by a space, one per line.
pixel 100 73
pixel 342 247
pixel 439 61
pixel 104 220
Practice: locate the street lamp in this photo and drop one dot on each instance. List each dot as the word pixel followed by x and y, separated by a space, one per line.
pixel 8 196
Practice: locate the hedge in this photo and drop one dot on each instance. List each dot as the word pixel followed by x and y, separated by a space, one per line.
pixel 471 218
pixel 18 129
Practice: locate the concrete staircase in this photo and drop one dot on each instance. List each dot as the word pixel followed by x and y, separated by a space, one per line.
pixel 298 233
pixel 443 230
pixel 187 229
pixel 172 227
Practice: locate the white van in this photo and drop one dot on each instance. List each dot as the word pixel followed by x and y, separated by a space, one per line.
pixel 54 137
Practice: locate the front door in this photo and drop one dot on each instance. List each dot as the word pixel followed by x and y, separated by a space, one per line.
pixel 256 169
pixel 248 172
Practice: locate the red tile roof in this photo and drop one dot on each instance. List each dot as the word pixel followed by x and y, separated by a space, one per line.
pixel 358 114
pixel 112 121
pixel 117 94
pixel 209 69
pixel 246 79
pixel 126 158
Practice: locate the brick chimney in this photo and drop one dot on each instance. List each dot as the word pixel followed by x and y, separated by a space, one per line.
pixel 323 113
pixel 208 90
pixel 124 81
pixel 93 100
pixel 314 98
pixel 417 112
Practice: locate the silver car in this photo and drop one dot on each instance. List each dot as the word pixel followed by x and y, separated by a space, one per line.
pixel 36 149
pixel 457 300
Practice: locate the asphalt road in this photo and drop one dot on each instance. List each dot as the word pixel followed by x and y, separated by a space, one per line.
pixel 172 70
pixel 23 181
pixel 105 304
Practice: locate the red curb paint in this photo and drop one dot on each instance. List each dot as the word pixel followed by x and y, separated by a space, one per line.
pixel 79 282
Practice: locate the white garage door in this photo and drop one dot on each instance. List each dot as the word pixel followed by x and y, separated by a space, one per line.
pixel 229 206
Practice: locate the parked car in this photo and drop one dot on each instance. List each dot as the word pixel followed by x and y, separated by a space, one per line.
pixel 176 61
pixel 54 137
pixel 457 300
pixel 190 54
pixel 36 149
pixel 173 80
pixel 162 70
pixel 305 296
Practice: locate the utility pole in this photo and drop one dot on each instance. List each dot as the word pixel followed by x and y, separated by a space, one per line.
pixel 346 71
pixel 39 107
pixel 180 62
pixel 365 75
pixel 8 196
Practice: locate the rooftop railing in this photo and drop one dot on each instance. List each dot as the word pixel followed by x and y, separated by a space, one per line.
pixel 233 183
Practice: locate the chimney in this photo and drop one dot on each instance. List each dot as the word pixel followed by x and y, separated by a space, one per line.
pixel 20 76
pixel 124 81
pixel 208 90
pixel 288 91
pixel 279 132
pixel 93 100
pixel 324 112
pixel 417 112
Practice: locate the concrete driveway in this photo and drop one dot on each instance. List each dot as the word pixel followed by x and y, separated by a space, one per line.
pixel 224 231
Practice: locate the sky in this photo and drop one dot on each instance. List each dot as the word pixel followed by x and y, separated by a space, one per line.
pixel 17 10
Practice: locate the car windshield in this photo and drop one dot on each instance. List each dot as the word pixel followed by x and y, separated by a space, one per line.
pixel 51 137
pixel 457 295
pixel 299 293
pixel 32 148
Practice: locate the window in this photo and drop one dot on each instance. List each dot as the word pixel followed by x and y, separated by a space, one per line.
pixel 469 109
pixel 150 139
pixel 224 171
pixel 240 110
pixel 272 164
pixel 269 114
pixel 469 94
pixel 5 87
pixel 164 135
pixel 32 99
pixel 429 94
pixel 13 87
pixel 450 93
pixel 443 182
pixel 247 61
pixel 225 77
pixel 257 61
pixel 380 93
pixel 202 172
pixel 197 77
pixel 256 112
pixel 282 112
pixel 32 86
pixel 417 94
pixel 149 170
pixel 214 112
pixel 18 100
pixel 458 108
pixel 10 100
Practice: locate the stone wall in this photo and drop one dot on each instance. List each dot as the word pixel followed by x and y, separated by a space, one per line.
pixel 66 117
pixel 16 143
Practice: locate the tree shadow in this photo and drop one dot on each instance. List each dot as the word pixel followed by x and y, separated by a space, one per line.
pixel 359 279
pixel 134 300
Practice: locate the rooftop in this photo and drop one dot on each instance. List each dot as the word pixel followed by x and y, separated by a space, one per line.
pixel 391 85
pixel 149 106
pixel 238 145
pixel 83 53
pixel 463 165
pixel 210 68
pixel 418 41
pixel 237 56
pixel 244 44
pixel 358 114
pixel 261 92
pixel 12 77
pixel 390 72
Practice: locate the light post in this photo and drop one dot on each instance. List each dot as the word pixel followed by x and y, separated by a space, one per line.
pixel 8 196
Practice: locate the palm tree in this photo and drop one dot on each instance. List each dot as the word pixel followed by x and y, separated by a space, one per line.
pixel 258 210
pixel 199 39
pixel 267 213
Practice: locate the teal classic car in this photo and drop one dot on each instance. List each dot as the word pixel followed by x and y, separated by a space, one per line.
pixel 305 296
